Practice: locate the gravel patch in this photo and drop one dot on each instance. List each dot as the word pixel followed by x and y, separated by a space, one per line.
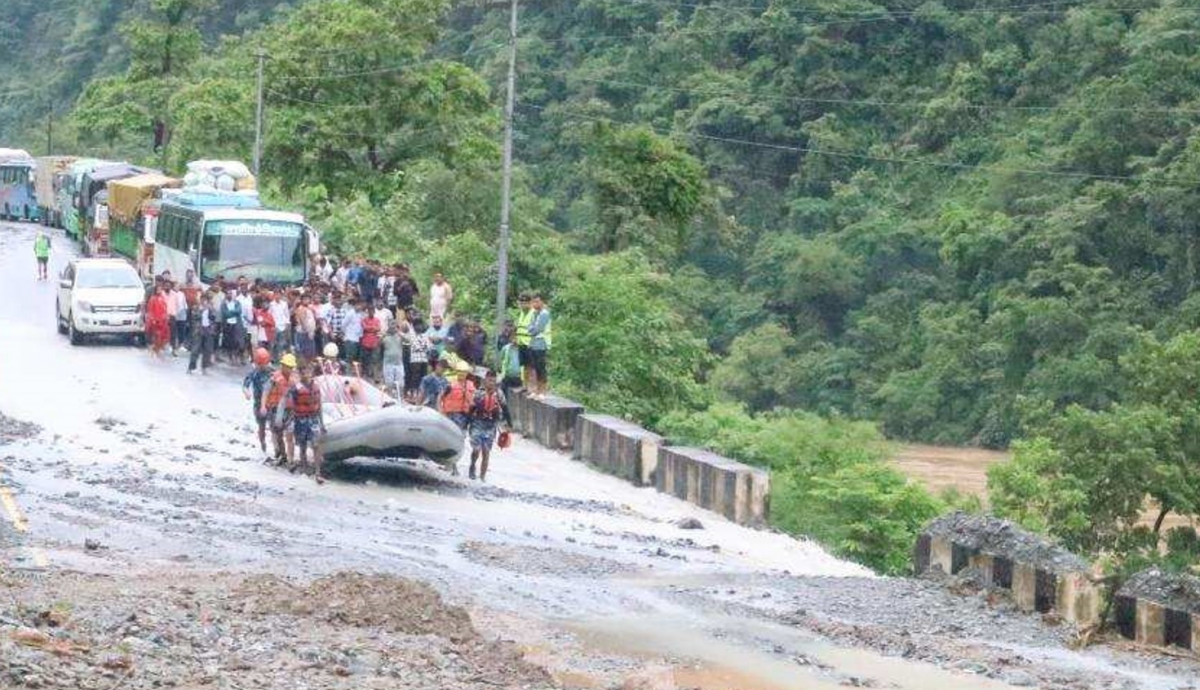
pixel 541 560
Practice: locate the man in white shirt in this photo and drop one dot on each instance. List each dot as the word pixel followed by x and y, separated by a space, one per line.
pixel 324 269
pixel 340 276
pixel 441 296
pixel 384 315
pixel 281 313
pixel 178 311
pixel 247 301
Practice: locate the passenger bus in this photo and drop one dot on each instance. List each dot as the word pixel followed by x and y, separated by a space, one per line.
pixel 49 178
pixel 68 197
pixel 17 198
pixel 228 235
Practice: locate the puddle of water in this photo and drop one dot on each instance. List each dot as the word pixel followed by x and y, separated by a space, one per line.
pixel 731 659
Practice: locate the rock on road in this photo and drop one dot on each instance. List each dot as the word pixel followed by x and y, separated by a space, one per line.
pixel 144 475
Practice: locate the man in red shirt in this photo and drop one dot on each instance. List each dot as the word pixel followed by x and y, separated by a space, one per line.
pixel 369 346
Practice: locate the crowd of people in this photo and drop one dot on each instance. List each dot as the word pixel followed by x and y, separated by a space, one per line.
pixel 358 318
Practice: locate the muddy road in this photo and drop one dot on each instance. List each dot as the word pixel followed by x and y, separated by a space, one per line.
pixel 139 510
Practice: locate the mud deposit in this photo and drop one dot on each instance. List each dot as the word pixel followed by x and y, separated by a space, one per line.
pixel 343 631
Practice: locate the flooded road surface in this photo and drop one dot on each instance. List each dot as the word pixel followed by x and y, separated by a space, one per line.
pixel 144 474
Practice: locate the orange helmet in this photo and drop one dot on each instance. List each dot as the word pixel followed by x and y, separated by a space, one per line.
pixel 262 356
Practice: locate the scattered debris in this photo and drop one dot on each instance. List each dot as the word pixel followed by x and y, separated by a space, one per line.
pixel 16 430
pixel 689 523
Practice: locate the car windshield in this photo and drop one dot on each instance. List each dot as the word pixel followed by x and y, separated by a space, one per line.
pixel 107 277
pixel 270 250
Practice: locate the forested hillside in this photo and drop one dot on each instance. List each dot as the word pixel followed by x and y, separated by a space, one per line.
pixel 952 219
pixel 50 49
pixel 930 214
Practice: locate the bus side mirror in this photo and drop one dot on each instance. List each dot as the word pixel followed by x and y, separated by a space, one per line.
pixel 313 240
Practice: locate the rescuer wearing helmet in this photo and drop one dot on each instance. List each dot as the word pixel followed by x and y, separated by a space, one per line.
pixel 254 386
pixel 275 407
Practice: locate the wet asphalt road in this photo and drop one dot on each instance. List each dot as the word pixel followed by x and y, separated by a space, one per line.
pixel 140 467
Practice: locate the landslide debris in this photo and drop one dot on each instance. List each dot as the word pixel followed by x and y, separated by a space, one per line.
pixel 16 430
pixel 347 630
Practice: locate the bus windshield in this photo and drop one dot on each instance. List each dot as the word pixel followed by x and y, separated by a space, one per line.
pixel 268 249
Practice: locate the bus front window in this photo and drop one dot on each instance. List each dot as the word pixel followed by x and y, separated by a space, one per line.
pixel 257 249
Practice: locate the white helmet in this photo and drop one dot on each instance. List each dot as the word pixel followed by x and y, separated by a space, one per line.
pixel 330 351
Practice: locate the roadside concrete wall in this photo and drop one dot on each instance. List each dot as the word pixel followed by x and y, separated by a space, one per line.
pixel 551 420
pixel 1160 609
pixel 617 447
pixel 737 491
pixel 1041 576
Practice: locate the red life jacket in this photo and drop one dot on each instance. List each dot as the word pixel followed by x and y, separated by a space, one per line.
pixel 306 401
pixel 279 385
pixel 488 406
pixel 458 398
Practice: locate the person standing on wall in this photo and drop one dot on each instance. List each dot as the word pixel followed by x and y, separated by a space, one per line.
pixel 539 346
pixel 524 321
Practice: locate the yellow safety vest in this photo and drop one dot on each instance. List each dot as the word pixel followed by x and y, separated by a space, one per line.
pixel 524 321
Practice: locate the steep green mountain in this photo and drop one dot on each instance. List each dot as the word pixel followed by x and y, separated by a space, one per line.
pixel 933 214
pixel 50 49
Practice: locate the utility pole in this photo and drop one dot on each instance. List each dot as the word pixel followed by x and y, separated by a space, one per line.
pixel 50 134
pixel 258 115
pixel 506 179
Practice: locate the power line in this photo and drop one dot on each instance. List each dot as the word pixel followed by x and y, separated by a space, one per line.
pixel 359 106
pixel 879 103
pixel 950 165
pixel 400 67
pixel 319 104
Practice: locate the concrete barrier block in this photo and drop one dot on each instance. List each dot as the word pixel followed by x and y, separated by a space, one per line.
pixel 591 437
pixel 1024 586
pixel 701 477
pixel 1125 616
pixel 551 421
pixel 616 446
pixel 985 565
pixel 921 554
pixel 648 459
pixel 759 503
pixel 1150 624
pixel 1177 629
pixel 691 474
pixel 1165 609
pixel 1079 599
pixel 940 550
pixel 521 412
